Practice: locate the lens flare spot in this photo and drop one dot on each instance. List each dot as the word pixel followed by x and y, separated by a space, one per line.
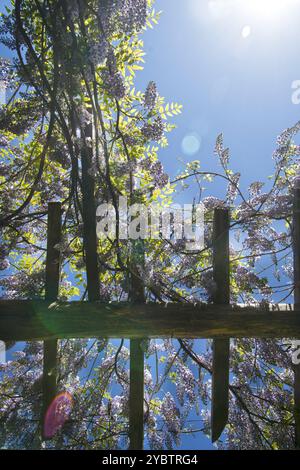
pixel 57 414
pixel 246 31
pixel 191 144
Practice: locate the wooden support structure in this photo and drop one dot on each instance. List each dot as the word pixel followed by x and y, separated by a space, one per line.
pixel 136 389
pixel 89 217
pixel 136 395
pixel 22 320
pixel 50 320
pixel 220 368
pixel 49 382
pixel 296 246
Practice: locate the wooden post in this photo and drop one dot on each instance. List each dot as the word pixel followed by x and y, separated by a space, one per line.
pixel 136 395
pixel 220 376
pixel 49 383
pixel 296 248
pixel 136 288
pixel 136 391
pixel 89 218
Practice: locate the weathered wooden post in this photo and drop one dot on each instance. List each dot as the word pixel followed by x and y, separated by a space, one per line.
pixel 136 391
pixel 136 395
pixel 49 383
pixel 296 249
pixel 89 216
pixel 220 377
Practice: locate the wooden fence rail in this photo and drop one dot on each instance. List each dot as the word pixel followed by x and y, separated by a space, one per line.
pixel 50 320
pixel 41 320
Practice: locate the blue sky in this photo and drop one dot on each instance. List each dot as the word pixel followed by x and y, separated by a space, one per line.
pixel 231 63
pixel 228 83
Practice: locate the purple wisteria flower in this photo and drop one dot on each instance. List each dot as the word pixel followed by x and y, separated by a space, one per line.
pixel 98 51
pixel 6 72
pixel 157 172
pixel 114 84
pixel 150 99
pixel 153 130
pixel 125 16
pixel 171 414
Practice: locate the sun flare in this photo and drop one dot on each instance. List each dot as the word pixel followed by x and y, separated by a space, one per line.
pixel 266 10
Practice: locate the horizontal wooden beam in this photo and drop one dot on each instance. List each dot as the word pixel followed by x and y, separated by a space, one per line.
pixel 40 320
